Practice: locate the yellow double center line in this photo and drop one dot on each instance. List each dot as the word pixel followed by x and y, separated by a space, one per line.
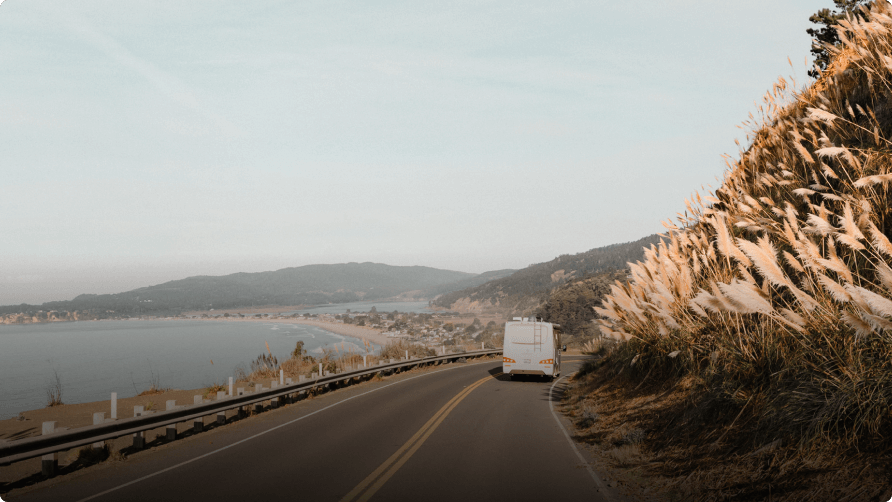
pixel 376 479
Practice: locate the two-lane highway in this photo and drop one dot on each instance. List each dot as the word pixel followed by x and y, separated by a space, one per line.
pixel 460 431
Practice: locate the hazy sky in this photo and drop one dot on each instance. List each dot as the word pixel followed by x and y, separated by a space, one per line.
pixel 148 141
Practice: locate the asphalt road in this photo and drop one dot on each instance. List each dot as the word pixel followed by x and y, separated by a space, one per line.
pixel 453 432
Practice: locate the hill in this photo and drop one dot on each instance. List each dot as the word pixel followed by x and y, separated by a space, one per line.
pixel 526 289
pixel 466 283
pixel 307 285
pixel 570 305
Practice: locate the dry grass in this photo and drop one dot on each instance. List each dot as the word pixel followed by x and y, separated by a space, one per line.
pixel 679 441
pixel 339 358
pixel 211 390
pixel 771 299
pixel 397 350
pixel 54 391
pixel 775 290
pixel 151 391
pixel 155 386
pixel 594 346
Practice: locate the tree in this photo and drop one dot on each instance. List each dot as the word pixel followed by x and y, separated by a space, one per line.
pixel 827 21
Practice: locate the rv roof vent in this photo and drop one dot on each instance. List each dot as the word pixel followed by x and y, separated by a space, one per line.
pixel 517 318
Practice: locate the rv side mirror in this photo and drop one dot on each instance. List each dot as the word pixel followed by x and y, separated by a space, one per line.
pixel 564 348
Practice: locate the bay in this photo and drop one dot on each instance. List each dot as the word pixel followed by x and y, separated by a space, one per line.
pixel 95 358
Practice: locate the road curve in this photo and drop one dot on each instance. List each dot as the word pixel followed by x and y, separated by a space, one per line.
pixel 459 431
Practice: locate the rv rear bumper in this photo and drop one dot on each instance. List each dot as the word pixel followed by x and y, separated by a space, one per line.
pixel 527 372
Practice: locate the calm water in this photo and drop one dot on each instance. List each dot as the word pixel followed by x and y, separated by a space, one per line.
pixel 94 359
pixel 340 308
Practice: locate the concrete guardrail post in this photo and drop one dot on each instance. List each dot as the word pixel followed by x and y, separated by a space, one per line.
pixel 365 361
pixel 48 462
pixel 114 405
pixel 320 370
pixel 258 407
pixel 139 438
pixel 98 418
pixel 240 391
pixel 197 423
pixel 301 378
pixel 171 429
pixel 281 377
pixel 221 415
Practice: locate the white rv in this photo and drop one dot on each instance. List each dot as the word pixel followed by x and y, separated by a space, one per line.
pixel 531 348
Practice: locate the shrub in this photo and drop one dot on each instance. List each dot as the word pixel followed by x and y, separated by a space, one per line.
pixel 265 366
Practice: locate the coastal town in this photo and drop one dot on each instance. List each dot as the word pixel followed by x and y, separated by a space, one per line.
pixel 428 329
pixel 437 329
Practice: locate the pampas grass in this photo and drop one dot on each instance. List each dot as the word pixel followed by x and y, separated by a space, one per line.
pixel 758 275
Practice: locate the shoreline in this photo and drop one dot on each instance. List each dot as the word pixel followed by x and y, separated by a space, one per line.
pixel 363 333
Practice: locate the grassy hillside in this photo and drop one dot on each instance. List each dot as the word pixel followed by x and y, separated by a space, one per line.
pixel 771 305
pixel 571 305
pixel 466 283
pixel 311 284
pixel 526 289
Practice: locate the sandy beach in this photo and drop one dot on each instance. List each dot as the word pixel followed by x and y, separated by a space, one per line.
pixel 361 332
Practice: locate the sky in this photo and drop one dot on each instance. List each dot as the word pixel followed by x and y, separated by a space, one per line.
pixel 144 142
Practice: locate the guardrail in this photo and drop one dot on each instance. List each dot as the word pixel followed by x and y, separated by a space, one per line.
pixel 32 447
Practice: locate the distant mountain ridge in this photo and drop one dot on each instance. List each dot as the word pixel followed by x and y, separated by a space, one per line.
pixel 526 289
pixel 306 285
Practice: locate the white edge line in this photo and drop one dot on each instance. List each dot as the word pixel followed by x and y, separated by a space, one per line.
pixel 162 471
pixel 601 487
